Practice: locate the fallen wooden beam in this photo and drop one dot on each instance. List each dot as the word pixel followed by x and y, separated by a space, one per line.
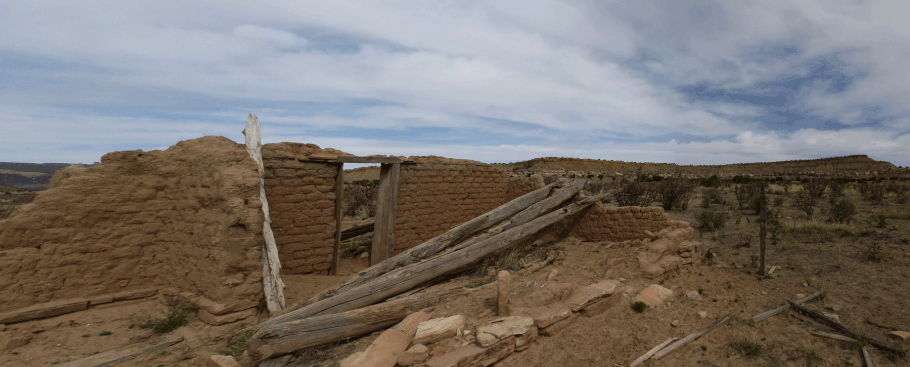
pixel 403 279
pixel 282 338
pixel 44 310
pixel 843 329
pixel 767 314
pixel 834 336
pixel 438 243
pixel 651 352
pixel 357 230
pixel 688 339
pixel 867 357
pixel 118 355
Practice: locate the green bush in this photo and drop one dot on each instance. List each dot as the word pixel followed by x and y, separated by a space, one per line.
pixel 174 318
pixel 639 306
pixel 778 202
pixel 749 347
pixel 880 220
pixel 712 181
pixel 843 211
pixel 709 221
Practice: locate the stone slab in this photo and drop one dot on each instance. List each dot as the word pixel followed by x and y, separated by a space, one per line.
pixel 472 356
pixel 559 326
pixel 410 323
pixel 44 310
pixel 385 350
pixel 418 353
pixel 507 326
pixel 653 295
pixel 584 296
pixel 437 329
pixel 601 306
pixel 899 335
pixel 222 361
pixel 216 320
pixel 549 318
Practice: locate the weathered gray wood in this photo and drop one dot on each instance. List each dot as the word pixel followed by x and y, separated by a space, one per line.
pixel 357 230
pixel 386 202
pixel 352 159
pixel 767 314
pixel 651 352
pixel 558 197
pixel 867 357
pixel 128 352
pixel 339 205
pixel 688 339
pixel 439 243
pixel 276 339
pixel 403 279
pixel 843 329
pixel 834 336
pixel 277 361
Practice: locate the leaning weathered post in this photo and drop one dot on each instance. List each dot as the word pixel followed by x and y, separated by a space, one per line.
pixel 761 231
pixel 272 286
pixel 339 206
pixel 386 203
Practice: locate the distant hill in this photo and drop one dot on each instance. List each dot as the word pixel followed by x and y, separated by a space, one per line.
pixel 29 176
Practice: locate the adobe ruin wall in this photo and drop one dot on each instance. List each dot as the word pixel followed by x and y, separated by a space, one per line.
pixel 187 219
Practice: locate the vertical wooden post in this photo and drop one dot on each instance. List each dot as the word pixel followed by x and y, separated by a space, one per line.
pixel 761 232
pixel 339 205
pixel 386 203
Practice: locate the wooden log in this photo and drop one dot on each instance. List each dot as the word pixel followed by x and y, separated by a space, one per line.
pixel 357 230
pixel 385 214
pixel 843 329
pixel 560 196
pixel 651 352
pixel 834 336
pixel 688 339
pixel 353 159
pixel 339 206
pixel 403 279
pixel 282 361
pixel 767 314
pixel 439 243
pixel 44 310
pixel 867 357
pixel 118 355
pixel 281 338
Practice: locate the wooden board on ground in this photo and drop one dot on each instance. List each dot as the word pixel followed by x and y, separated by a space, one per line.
pixel 118 355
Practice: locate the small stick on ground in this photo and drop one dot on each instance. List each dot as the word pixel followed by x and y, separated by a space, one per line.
pixel 651 352
pixel 867 357
pixel 767 314
pixel 833 336
pixel 691 337
pixel 843 329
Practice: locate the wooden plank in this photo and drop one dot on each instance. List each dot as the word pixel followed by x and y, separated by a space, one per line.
pixel 767 314
pixel 339 205
pixel 44 310
pixel 352 159
pixel 381 233
pixel 651 352
pixel 408 277
pixel 867 357
pixel 688 339
pixel 834 336
pixel 358 230
pixel 843 329
pixel 277 339
pixel 392 208
pixel 438 243
pixel 128 352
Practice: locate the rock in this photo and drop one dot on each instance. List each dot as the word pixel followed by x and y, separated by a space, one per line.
pixel 653 295
pixel 584 296
pixel 609 286
pixel 507 326
pixel 189 338
pixel 832 316
pixel 805 284
pixel 834 308
pixel 437 329
pixel 385 350
pixel 549 318
pixel 703 314
pixel 799 296
pixel 693 295
pixel 524 341
pixel 502 293
pixel 899 335
pixel 598 307
pixel 410 323
pixel 44 310
pixel 228 318
pixel 554 275
pixel 222 361
pixel 438 351
pixel 559 326
pixel 474 356
pixel 364 255
pixel 739 266
pixel 675 323
pixel 418 353
pixel 352 360
pixel 486 340
pixel 9 342
pixel 764 293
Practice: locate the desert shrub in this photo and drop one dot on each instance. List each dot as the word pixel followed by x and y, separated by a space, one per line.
pixel 639 306
pixel 837 188
pixel 755 203
pixel 843 211
pixel 778 202
pixel 871 191
pixel 675 191
pixel 816 187
pixel 896 187
pixel 354 248
pixel 712 181
pixel 880 220
pixel 875 252
pixel 237 343
pixel 174 318
pixel 360 199
pixel 711 196
pixel 709 221
pixel 596 187
pixel 634 193
pixel 803 200
pixel 748 347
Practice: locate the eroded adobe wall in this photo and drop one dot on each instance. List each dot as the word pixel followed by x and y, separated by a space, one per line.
pixel 436 194
pixel 602 223
pixel 188 218
pixel 301 196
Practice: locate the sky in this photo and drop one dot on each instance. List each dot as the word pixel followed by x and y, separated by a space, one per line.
pixel 675 81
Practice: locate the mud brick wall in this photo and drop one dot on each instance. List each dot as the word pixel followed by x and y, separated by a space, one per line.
pixel 601 223
pixel 188 218
pixel 301 196
pixel 436 194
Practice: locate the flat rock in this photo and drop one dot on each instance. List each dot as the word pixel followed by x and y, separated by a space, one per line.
pixel 524 341
pixel 10 342
pixel 507 326
pixel 222 361
pixel 44 310
pixel 559 326
pixel 693 295
pixel 486 340
pixel 584 296
pixel 899 335
pixel 353 360
pixel 385 350
pixel 703 314
pixel 418 353
pixel 228 318
pixel 437 329
pixel 600 306
pixel 653 295
pixel 549 318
